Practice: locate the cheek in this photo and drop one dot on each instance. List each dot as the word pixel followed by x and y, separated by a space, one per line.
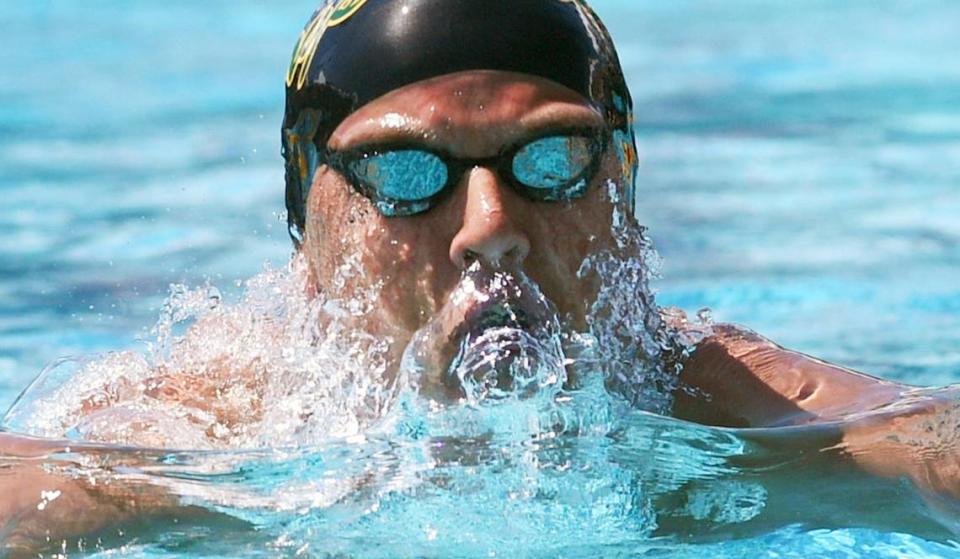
pixel 411 258
pixel 338 227
pixel 406 259
pixel 565 238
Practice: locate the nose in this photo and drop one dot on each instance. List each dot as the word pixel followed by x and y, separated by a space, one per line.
pixel 489 230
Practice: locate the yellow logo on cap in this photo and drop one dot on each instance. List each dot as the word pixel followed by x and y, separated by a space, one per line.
pixel 344 10
pixel 307 47
pixel 330 15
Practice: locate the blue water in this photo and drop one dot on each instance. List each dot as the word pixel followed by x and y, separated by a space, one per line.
pixel 801 175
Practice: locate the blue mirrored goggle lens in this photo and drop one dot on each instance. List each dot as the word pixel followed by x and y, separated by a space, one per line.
pixel 402 175
pixel 553 162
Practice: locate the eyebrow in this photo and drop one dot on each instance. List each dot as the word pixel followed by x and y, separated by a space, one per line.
pixel 538 125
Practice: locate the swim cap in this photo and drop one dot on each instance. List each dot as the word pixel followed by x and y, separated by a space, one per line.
pixel 354 51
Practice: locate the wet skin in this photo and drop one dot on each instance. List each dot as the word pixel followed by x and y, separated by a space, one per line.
pixel 418 259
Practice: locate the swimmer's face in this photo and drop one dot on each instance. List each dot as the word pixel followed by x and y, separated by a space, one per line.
pixel 418 259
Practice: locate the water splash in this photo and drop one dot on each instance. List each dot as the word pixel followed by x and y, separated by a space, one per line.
pixel 278 368
pixel 374 466
pixel 281 367
pixel 499 408
pixel 498 337
pixel 639 350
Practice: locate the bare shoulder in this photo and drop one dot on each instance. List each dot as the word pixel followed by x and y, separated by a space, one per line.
pixel 738 378
pixel 198 395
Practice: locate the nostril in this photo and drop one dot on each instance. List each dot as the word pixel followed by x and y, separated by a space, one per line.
pixel 469 257
pixel 519 252
pixel 494 247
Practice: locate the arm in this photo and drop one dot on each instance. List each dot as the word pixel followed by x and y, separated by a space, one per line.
pixel 736 378
pixel 37 504
pixel 41 505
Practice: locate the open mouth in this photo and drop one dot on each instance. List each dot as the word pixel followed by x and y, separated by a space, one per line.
pixel 501 348
pixel 484 317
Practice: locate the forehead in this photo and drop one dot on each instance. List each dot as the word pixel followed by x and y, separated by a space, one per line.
pixel 469 113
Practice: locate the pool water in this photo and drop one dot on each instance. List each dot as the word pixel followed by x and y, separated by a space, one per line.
pixel 801 175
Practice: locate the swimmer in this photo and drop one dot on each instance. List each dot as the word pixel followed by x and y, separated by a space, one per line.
pixel 440 144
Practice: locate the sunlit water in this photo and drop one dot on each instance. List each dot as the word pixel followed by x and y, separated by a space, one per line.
pixel 801 167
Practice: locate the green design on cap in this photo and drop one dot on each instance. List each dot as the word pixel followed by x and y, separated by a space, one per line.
pixel 344 10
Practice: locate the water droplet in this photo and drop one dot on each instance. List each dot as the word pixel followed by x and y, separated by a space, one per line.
pixel 705 315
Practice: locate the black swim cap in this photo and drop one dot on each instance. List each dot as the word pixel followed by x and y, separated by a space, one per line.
pixel 354 51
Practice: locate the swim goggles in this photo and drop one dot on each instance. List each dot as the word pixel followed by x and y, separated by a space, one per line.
pixel 406 179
